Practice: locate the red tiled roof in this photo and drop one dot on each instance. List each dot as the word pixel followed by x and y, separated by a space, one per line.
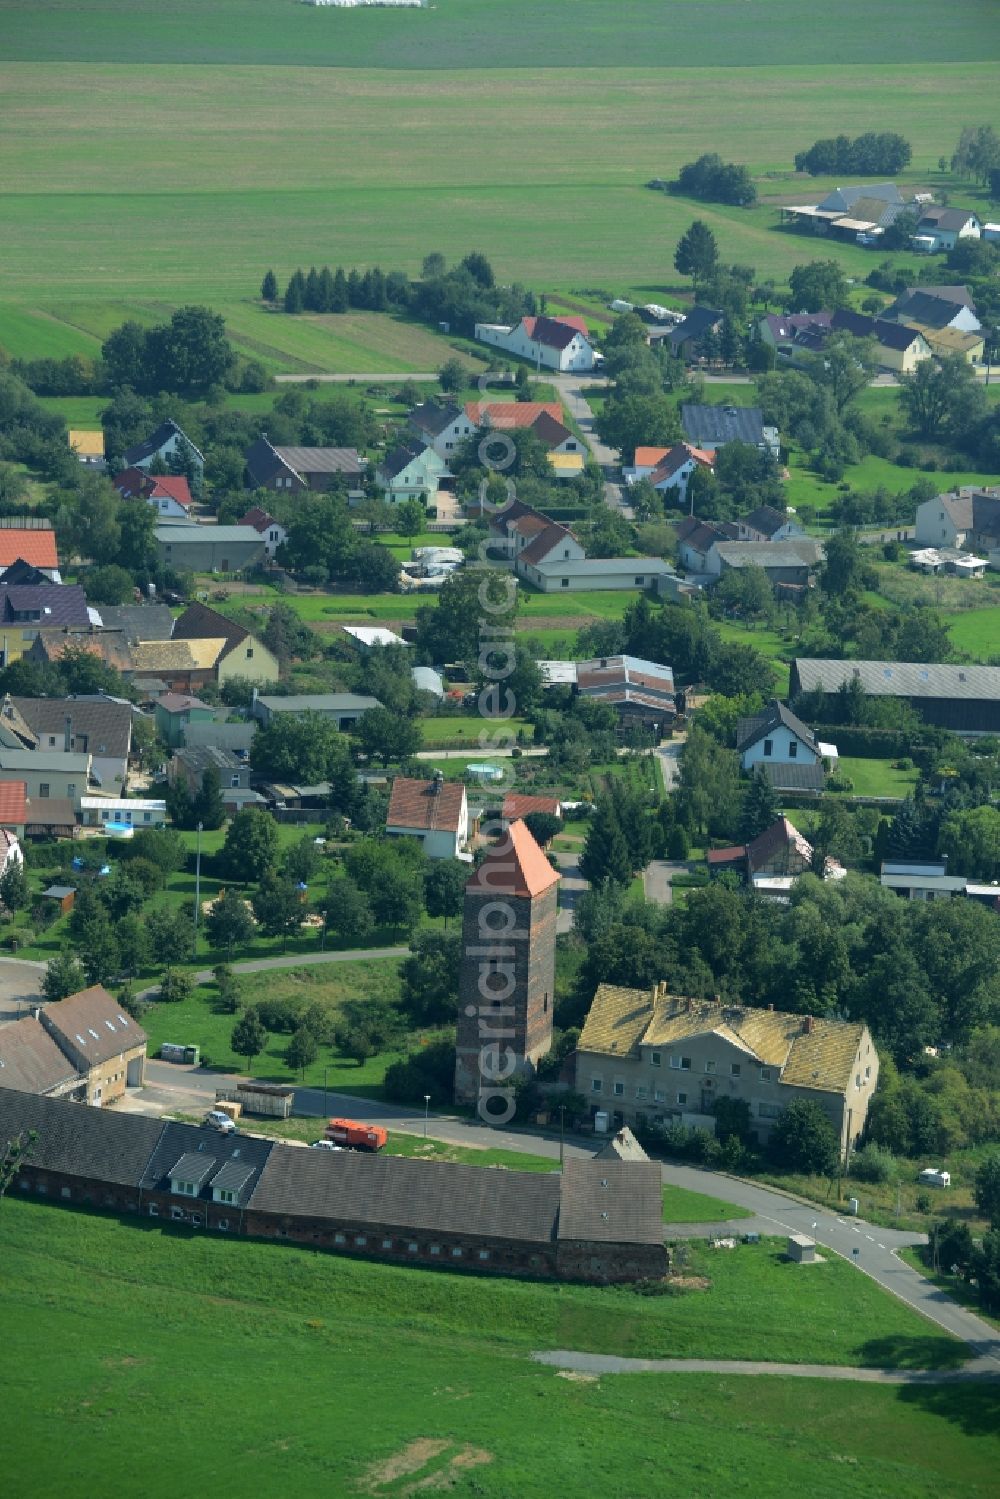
pixel 649 457
pixel 36 547
pixel 173 485
pixel 557 332
pixel 511 414
pixel 544 542
pixel 429 806
pixel 517 806
pixel 728 855
pixel 258 518
pixel 514 866
pixel 12 802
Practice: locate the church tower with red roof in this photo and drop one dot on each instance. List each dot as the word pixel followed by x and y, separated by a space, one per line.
pixel 507 977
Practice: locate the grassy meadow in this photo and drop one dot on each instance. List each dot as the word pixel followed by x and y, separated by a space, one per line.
pixel 142 1343
pixel 160 185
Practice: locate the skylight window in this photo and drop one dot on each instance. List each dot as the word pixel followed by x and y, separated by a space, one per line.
pixel 93 1033
pixel 80 1039
pixel 123 1020
pixel 109 1025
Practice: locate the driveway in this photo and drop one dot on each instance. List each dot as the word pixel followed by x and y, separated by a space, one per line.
pixel 571 887
pixel 656 878
pixel 20 987
pixel 570 388
pixel 669 755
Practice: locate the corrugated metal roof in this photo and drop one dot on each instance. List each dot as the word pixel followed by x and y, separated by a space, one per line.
pixel 901 678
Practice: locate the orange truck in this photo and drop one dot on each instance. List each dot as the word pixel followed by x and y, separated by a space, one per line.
pixel 354 1136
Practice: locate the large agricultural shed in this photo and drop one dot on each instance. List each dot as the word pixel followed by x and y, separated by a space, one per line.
pixel 596 1220
pixel 964 699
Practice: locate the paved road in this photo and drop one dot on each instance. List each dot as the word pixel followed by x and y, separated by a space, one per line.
pixel 571 887
pixel 606 1363
pixel 364 379
pixel 535 751
pixel 571 391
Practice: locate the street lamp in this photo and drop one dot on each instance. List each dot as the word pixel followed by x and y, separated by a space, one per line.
pixel 197 886
pixel 427 1104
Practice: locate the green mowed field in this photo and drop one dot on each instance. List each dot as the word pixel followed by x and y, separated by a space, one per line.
pixel 542 168
pixel 465 34
pixel 876 777
pixel 976 632
pixel 141 1342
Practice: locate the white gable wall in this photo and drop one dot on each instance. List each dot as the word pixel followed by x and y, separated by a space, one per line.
pixel 786 749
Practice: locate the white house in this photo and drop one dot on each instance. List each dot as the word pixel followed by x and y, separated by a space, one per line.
pixel 554 544
pixel 671 475
pixel 442 428
pixel 696 542
pixel 271 531
pixel 767 524
pixel 776 735
pixel 964 517
pixel 411 471
pixel 168 441
pixel 936 307
pixel 553 343
pixel 436 812
pixel 942 228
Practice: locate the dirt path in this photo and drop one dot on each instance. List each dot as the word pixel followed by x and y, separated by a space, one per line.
pixel 596 1364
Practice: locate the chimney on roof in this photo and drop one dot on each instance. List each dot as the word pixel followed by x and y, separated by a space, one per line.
pixel 807 1025
pixel 68 734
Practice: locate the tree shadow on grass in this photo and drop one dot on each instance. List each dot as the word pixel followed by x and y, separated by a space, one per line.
pixel 974 1407
pixel 928 1351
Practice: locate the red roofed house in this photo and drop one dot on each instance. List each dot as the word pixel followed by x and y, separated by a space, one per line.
pixel 507 980
pixel 772 861
pixel 34 543
pixel 169 494
pixel 265 525
pixel 436 812
pixel 555 343
pixel 670 476
pixel 509 416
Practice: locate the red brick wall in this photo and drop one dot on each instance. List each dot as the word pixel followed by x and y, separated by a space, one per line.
pixel 579 1259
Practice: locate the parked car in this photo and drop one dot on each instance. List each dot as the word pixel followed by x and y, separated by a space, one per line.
pixel 325 1145
pixel 216 1119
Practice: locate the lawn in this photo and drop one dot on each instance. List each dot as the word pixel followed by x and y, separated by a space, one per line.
pixel 461 733
pixel 976 632
pixel 682 1206
pixel 196 1022
pixel 132 1338
pixel 876 777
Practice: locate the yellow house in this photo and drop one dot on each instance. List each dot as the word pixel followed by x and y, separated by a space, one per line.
pixel 242 655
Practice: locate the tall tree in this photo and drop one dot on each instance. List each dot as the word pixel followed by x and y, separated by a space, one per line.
pixel 760 807
pixel 269 287
pixel 248 1037
pixel 697 253
pixel 229 923
pixel 251 844
pixel 605 858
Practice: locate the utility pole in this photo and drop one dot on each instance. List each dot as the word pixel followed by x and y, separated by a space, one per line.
pixel 427 1104
pixel 197 887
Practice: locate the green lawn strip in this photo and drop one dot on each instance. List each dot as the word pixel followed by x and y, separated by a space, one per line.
pixel 120 1329
pixel 683 1206
pixel 412 1145
pixel 876 777
pixel 976 632
pixel 444 733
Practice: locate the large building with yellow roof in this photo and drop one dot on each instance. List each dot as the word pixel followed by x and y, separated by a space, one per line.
pixel 648 1056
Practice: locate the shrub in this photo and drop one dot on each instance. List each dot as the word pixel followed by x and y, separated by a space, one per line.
pixel 873 1163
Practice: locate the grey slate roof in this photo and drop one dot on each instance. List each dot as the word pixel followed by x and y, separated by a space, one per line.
pixel 710 426
pixel 890 335
pixel 30 1060
pixel 49 604
pixel 794 777
pixel 193 1168
pixel 432 418
pixel 902 678
pixel 694 327
pixel 612 1202
pixel 797 551
pixel 92 1023
pixel 138 621
pixel 319 702
pixel 197 758
pixel 399 1193
pixel 233 1176
pixel 100 727
pixel 844 198
pixel 749 730
pixel 187 1144
pixel 322 460
pixel 82 1141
